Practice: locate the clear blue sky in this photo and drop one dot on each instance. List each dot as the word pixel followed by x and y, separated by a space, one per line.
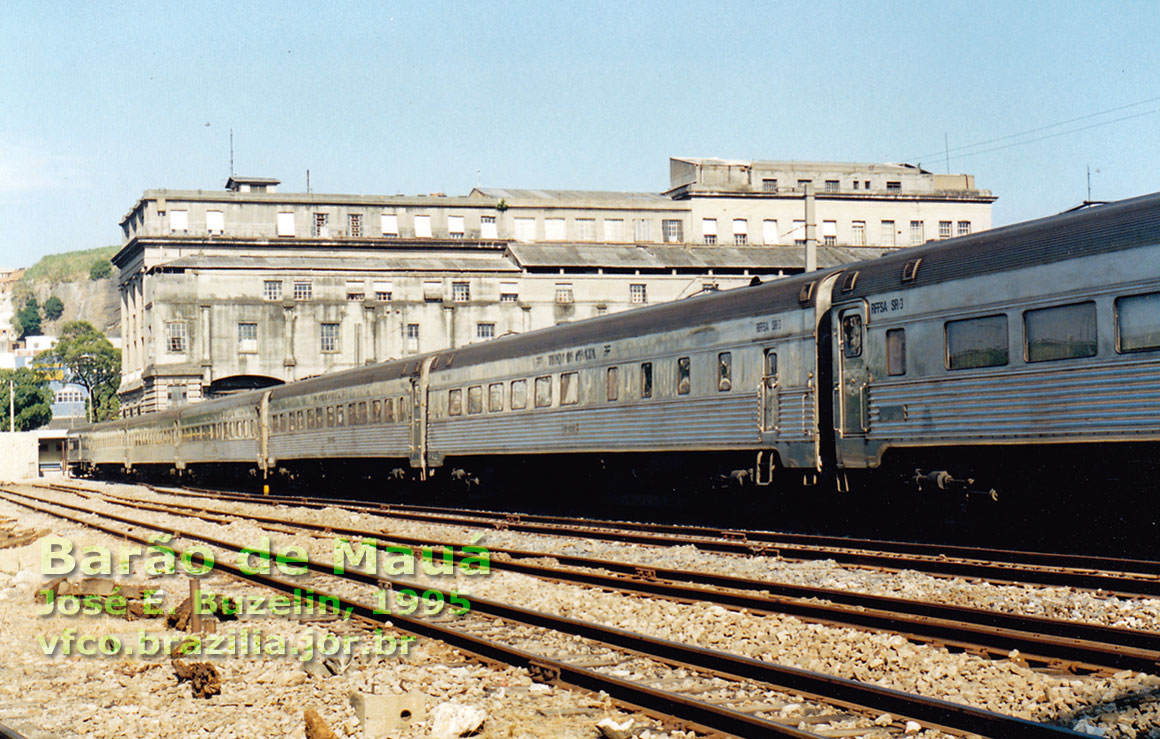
pixel 104 100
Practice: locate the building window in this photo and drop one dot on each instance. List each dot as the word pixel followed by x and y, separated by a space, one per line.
pixel 769 232
pixel 509 292
pixel 354 224
pixel 564 292
pixel 614 229
pixel 637 293
pixel 672 231
pixel 769 185
pixel 830 233
pixel 321 229
pixel 286 224
pixel 740 231
pixel 916 233
pixel 433 291
pixel 383 291
pixel 944 229
pixel 602 310
pixel 858 233
pixel 525 229
pixel 831 186
pixel 709 230
pixel 799 233
pixel 856 183
pixel 215 221
pixel 642 230
pixel 272 289
pixel 303 291
pixel 455 226
pixel 412 336
pixel 554 229
pixel 888 233
pixel 390 224
pixel 460 292
pixel 485 331
pixel 586 229
pixel 179 221
pixel 247 337
pixel 356 290
pixel 329 335
pixel 175 337
pixel 487 228
pixel 893 187
pixel 802 184
pixel 964 228
pixel 422 227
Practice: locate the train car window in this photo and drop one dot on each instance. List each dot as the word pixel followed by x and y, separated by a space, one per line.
pixel 338 417
pixel 329 416
pixel 404 408
pixel 293 426
pixel 362 412
pixel 300 426
pixel 770 363
pixel 725 371
pixel 570 388
pixel 519 394
pixel 475 399
pixel 1060 332
pixel 1138 323
pixel 376 411
pixel 309 418
pixel 896 351
pixel 976 342
pixel 613 382
pixel 684 384
pixel 646 380
pixel 852 335
pixel 455 402
pixel 389 410
pixel 495 397
pixel 543 392
pixel 352 414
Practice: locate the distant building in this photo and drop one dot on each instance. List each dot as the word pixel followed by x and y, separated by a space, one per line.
pixel 248 287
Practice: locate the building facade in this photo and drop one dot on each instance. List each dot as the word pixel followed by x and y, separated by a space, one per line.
pixel 229 290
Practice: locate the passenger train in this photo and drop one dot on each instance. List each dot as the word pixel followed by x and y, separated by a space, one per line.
pixel 1023 348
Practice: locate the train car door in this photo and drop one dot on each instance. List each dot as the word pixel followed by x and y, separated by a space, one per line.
pixel 851 383
pixel 769 392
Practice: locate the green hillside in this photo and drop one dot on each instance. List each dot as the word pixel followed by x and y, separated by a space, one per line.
pixel 70 266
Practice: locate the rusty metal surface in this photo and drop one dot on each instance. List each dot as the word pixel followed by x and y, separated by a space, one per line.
pixel 921 708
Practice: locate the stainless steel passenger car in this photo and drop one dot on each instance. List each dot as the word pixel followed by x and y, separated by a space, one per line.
pixel 1041 335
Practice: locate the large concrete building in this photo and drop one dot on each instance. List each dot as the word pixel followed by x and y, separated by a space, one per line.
pixel 247 287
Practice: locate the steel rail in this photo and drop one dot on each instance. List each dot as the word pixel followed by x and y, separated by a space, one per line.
pixel 999 572
pixel 1060 643
pixel 1013 556
pixel 933 711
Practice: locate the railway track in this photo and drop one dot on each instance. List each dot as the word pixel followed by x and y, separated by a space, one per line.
pixel 698 697
pixel 1059 644
pixel 1126 577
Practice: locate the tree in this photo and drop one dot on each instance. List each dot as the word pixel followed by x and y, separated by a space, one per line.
pixel 53 307
pixel 26 321
pixel 100 269
pixel 91 361
pixel 31 397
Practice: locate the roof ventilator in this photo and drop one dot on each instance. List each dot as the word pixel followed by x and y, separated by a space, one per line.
pixel 807 292
pixel 910 271
pixel 850 280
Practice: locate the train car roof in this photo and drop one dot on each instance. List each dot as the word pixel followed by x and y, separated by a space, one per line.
pixel 1094 230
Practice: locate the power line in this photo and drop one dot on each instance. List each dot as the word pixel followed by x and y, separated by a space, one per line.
pixel 1036 130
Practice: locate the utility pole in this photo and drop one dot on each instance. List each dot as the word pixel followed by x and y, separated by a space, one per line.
pixel 11 407
pixel 811 231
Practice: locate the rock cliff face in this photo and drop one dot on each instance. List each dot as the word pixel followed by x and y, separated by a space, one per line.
pixel 95 301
